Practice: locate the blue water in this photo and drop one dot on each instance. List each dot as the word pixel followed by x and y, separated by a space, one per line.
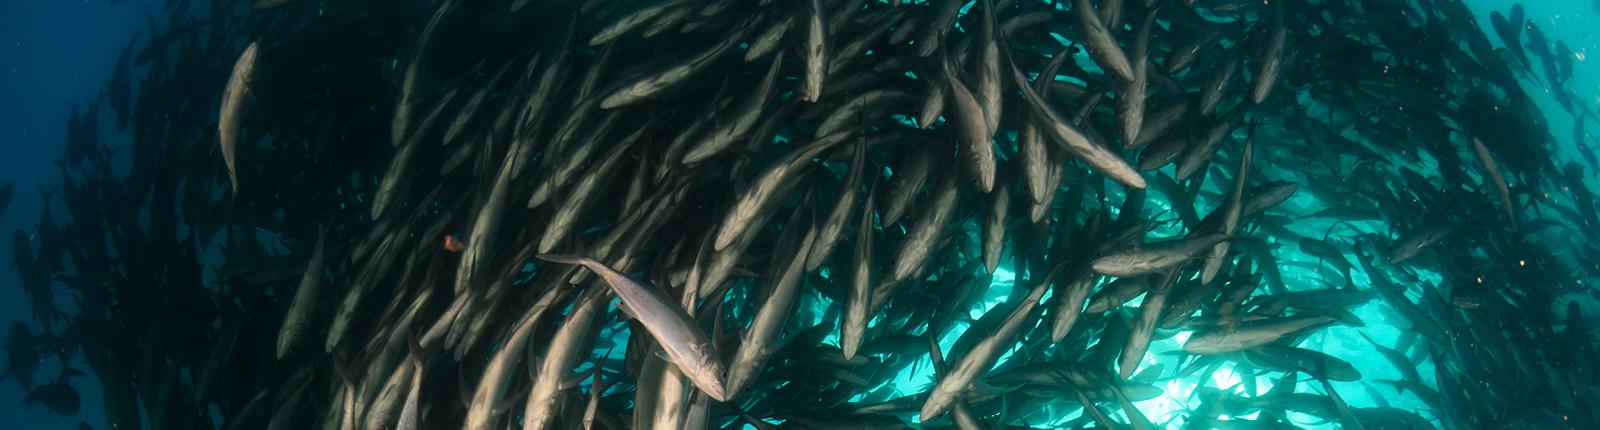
pixel 54 53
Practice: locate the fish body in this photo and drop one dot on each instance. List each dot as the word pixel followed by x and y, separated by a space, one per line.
pixel 685 344
pixel 1250 334
pixel 306 300
pixel 1153 257
pixel 228 121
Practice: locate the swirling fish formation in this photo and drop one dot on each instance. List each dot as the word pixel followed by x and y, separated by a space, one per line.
pixel 696 214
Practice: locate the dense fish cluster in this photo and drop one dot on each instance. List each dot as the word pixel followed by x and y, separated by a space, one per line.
pixel 831 214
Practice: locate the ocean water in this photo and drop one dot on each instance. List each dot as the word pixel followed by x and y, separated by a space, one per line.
pixel 56 56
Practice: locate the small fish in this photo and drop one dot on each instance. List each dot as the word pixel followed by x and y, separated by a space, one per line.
pixel 306 299
pixel 972 130
pixel 858 305
pixel 924 234
pixel 815 52
pixel 977 361
pixel 1131 97
pixel 833 228
pixel 561 355
pixel 1074 141
pixel 1102 46
pixel 653 84
pixel 1498 179
pixel 1250 334
pixel 269 4
pixel 756 204
pixel 233 95
pixel 685 344
pixel 757 344
pixel 746 113
pixel 1153 257
pixel 489 399
pixel 1271 60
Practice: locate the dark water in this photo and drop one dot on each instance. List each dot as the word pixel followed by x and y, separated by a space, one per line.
pixel 172 289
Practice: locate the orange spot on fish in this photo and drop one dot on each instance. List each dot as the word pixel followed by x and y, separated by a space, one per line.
pixel 452 244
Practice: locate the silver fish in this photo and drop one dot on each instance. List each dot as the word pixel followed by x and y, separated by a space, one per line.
pixel 1074 141
pixel 977 361
pixel 1251 334
pixel 488 399
pixel 232 106
pixel 1499 179
pixel 816 52
pixel 1152 257
pixel 560 357
pixel 746 112
pixel 758 200
pixel 685 344
pixel 833 228
pixel 924 234
pixel 757 344
pixel 1102 46
pixel 305 300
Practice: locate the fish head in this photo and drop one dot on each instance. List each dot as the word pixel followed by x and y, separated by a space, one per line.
pixel 939 402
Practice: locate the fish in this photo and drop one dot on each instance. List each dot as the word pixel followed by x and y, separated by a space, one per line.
pixel 977 361
pixel 832 229
pixel 1497 178
pixel 1271 60
pixel 400 126
pixel 1232 209
pixel 1211 94
pixel 1131 96
pixel 555 370
pixel 746 114
pixel 651 85
pixel 757 344
pixel 306 299
pixel 1102 45
pixel 972 130
pixel 815 52
pixel 925 232
pixel 756 203
pixel 1251 334
pixel 489 398
pixel 228 122
pixel 686 346
pixel 1074 140
pixel 858 304
pixel 269 4
pixel 911 172
pixel 1154 257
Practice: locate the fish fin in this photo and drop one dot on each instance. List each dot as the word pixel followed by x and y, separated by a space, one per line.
pixel 563 258
pixel 505 404
pixel 464 392
pixel 1348 318
pixel 983 387
pixel 420 356
pixel 1149 374
pixel 341 365
pixel 573 381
